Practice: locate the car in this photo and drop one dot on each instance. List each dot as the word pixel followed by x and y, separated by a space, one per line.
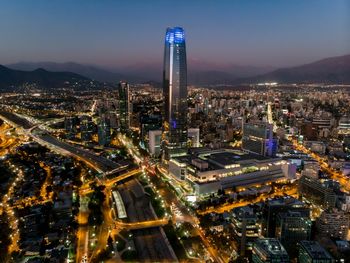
pixel 84 259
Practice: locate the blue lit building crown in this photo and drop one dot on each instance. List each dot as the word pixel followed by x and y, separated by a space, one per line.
pixel 175 35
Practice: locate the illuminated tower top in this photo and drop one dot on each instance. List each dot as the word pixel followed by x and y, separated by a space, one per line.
pixel 175 35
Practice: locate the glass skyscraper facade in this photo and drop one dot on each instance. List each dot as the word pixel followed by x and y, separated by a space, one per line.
pixel 124 106
pixel 174 136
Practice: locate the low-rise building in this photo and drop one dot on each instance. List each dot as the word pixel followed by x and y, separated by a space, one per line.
pixel 269 250
pixel 209 170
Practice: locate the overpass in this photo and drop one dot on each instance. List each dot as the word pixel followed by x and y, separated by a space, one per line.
pixel 112 181
pixel 142 224
pixel 86 189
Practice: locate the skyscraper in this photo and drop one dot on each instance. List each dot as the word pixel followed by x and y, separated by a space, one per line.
pixel 124 106
pixel 104 131
pixel 291 228
pixel 86 128
pixel 245 227
pixel 174 137
pixel 258 138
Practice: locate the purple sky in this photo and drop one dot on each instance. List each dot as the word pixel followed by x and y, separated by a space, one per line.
pixel 127 33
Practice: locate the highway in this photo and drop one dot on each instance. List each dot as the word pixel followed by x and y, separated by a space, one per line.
pixel 99 163
pixel 142 222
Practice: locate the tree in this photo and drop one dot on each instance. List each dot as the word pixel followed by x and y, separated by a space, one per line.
pixel 110 242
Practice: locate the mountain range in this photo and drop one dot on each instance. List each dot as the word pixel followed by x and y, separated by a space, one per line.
pixel 198 72
pixel 329 70
pixel 41 77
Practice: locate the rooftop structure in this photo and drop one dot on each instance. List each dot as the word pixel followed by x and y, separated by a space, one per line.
pixel 313 252
pixel 210 170
pixel 269 250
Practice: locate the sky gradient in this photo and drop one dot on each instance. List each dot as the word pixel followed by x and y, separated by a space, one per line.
pixel 114 33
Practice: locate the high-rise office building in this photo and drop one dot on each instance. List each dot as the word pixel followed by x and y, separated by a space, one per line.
pixel 258 138
pixel 124 106
pixel 333 223
pixel 86 128
pixel 104 131
pixel 174 137
pixel 193 137
pixel 70 125
pixel 149 121
pixel 245 227
pixel 279 205
pixel 291 228
pixel 320 193
pixel 155 137
pixel 313 252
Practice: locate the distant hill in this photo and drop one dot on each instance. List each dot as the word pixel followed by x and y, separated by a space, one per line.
pixel 329 70
pixel 43 78
pixel 199 72
pixel 92 72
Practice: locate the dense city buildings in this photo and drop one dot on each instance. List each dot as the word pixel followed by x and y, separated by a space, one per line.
pixel 178 153
pixel 175 94
pixel 232 187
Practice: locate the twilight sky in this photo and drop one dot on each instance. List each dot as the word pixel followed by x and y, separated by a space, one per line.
pixel 114 33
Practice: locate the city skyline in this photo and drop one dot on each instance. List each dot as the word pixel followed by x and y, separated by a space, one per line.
pixel 194 160
pixel 276 34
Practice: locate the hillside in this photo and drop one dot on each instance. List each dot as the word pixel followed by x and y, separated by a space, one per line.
pixel 42 77
pixel 329 70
